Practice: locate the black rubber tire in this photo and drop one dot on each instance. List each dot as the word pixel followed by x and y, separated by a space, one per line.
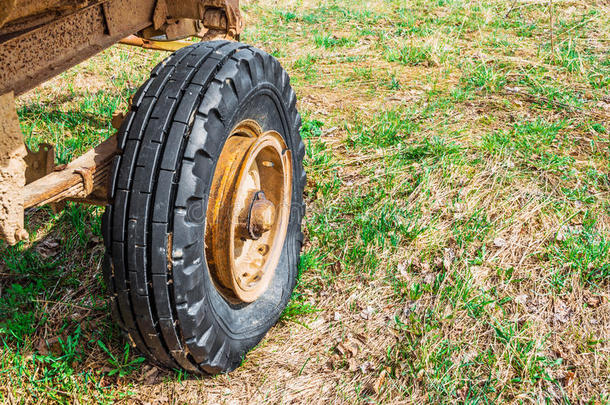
pixel 160 289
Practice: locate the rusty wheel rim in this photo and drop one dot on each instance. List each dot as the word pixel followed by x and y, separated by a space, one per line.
pixel 248 212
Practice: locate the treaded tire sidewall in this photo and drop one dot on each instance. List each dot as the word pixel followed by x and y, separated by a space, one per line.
pixel 210 333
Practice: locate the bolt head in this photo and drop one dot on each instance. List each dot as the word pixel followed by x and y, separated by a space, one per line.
pixel 21 234
pixel 262 217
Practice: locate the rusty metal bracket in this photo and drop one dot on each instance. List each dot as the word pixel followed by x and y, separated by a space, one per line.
pixel 39 164
pixel 160 14
pixel 199 8
pixel 207 19
pixel 87 174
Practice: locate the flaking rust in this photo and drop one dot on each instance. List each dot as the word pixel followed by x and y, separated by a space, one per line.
pixel 12 172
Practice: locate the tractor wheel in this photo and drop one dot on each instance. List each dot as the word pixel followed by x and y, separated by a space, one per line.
pixel 204 231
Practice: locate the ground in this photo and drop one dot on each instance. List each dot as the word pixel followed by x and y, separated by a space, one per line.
pixel 458 222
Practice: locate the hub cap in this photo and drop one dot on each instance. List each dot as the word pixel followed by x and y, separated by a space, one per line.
pixel 248 212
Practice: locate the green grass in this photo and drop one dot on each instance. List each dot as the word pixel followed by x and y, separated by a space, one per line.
pixel 584 252
pixel 330 41
pixel 47 328
pixel 457 215
pixel 387 129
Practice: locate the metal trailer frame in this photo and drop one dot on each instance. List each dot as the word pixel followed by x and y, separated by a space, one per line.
pixel 39 39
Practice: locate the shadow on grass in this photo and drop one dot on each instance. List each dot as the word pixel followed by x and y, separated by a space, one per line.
pixel 58 339
pixel 73 122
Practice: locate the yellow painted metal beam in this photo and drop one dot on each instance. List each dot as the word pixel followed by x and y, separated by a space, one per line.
pixel 170 46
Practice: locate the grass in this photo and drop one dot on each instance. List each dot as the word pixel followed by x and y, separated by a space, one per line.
pixel 457 246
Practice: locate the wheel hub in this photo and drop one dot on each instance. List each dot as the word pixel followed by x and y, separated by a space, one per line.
pixel 261 216
pixel 248 212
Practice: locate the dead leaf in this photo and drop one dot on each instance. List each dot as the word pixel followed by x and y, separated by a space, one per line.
pixel 366 367
pixel 362 338
pixel 104 370
pixel 353 348
pixel 402 269
pixel 117 119
pixel 94 241
pixel 150 376
pixel 562 312
pixel 337 267
pixel 448 258
pixel 418 265
pixel 566 231
pixel 48 248
pixel 462 393
pixel 567 378
pixel 367 313
pixel 562 234
pixel 76 316
pixel 594 301
pixel 500 242
pixel 42 348
pixel 348 349
pixel 448 311
pixel 331 362
pixel 374 388
pixel 521 299
pixel 50 346
pixel 27 356
pixel 429 278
